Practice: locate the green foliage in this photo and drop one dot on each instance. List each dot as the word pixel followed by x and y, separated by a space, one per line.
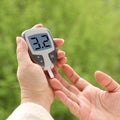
pixel 91 32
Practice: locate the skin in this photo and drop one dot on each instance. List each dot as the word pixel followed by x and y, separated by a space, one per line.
pixel 86 101
pixel 32 80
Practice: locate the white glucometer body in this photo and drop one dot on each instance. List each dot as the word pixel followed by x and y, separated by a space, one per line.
pixel 41 48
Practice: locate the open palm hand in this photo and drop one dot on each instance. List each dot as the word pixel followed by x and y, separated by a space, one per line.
pixel 84 100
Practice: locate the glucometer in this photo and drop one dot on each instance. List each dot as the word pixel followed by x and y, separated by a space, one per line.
pixel 41 48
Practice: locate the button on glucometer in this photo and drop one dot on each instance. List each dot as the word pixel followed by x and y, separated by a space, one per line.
pixel 39 59
pixel 52 56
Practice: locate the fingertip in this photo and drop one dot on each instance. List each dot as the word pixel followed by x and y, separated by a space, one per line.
pixel 58 42
pixel 38 26
pixel 18 40
pixel 21 43
pixel 102 78
pixel 62 40
pixel 59 39
pixel 60 54
pixel 97 73
pixel 56 85
pixel 22 51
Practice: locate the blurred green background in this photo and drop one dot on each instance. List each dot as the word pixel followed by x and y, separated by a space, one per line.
pixel 91 29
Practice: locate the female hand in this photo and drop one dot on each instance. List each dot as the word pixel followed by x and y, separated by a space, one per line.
pixel 86 101
pixel 33 82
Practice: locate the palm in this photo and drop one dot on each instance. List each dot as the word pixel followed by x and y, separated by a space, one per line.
pixel 34 76
pixel 86 101
pixel 95 103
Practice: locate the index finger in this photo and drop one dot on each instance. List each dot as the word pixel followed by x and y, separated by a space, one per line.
pixel 79 82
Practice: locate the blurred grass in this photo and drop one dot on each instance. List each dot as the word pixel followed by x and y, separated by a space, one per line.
pixel 92 37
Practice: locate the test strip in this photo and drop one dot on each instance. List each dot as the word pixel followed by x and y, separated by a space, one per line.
pixel 50 73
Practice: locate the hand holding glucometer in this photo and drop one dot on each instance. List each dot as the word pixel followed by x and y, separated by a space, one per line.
pixel 41 48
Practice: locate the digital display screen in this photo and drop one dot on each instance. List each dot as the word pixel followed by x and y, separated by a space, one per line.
pixel 39 42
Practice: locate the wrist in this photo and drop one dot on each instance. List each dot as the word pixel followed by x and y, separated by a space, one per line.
pixel 43 99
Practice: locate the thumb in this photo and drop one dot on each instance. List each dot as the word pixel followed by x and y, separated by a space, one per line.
pixel 22 52
pixel 106 81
